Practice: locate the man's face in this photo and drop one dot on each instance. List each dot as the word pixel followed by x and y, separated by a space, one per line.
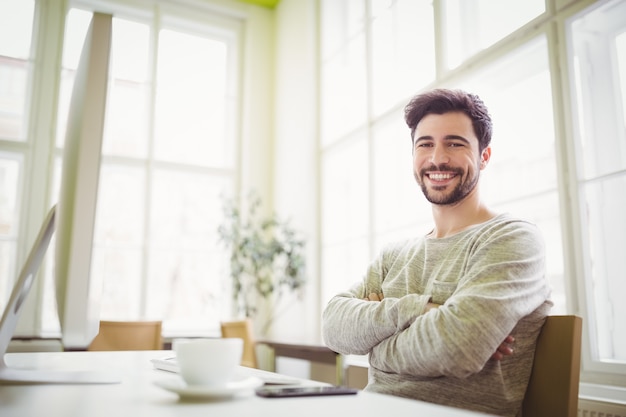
pixel 446 157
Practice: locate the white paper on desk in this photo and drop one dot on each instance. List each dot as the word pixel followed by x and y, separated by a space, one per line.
pixel 269 378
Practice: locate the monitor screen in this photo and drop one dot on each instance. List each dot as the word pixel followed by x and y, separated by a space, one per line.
pixel 73 221
pixel 78 296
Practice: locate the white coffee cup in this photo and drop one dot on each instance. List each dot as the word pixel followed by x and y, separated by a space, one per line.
pixel 208 362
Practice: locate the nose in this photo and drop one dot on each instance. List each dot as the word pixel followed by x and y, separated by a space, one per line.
pixel 439 155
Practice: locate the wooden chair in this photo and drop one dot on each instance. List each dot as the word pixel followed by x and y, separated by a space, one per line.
pixel 242 329
pixel 553 387
pixel 128 335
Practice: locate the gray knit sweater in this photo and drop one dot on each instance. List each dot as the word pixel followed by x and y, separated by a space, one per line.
pixel 490 280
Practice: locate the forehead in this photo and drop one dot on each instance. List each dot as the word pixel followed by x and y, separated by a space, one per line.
pixel 452 123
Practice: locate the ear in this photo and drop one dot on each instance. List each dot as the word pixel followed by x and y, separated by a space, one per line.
pixel 485 157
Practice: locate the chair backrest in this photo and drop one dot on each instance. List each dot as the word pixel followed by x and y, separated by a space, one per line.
pixel 553 387
pixel 242 329
pixel 128 335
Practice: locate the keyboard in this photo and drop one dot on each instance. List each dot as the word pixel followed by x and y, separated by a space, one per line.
pixel 269 378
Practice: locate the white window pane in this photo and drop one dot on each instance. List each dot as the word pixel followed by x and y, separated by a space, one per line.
pixel 128 102
pixel 130 50
pixel 187 289
pixel 118 241
pixel 186 209
pixel 186 265
pixel 606 236
pixel 597 39
pixel 402 50
pixel 16 25
pixel 344 92
pixel 121 206
pixel 340 21
pixel 76 26
pixel 127 120
pixel 13 91
pixel 345 192
pixel 10 170
pixel 343 79
pixel 119 271
pixel 191 119
pixel 399 205
pixel 473 25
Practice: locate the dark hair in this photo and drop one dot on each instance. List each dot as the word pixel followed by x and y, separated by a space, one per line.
pixel 442 101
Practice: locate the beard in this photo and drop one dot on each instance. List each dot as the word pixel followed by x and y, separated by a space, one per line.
pixel 437 195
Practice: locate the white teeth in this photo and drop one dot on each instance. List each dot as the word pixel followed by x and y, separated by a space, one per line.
pixel 440 177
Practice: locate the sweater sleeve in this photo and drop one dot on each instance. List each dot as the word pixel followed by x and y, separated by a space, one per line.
pixel 354 326
pixel 504 282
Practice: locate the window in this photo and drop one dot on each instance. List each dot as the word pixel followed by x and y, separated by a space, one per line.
pixel 16 23
pixel 598 64
pixel 402 51
pixel 473 25
pixel 507 52
pixel 169 155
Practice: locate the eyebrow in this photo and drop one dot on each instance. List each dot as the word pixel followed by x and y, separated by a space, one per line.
pixel 447 137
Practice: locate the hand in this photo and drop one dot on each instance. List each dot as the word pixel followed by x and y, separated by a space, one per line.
pixel 374 297
pixel 504 349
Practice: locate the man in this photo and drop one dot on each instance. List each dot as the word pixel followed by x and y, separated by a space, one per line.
pixel 438 314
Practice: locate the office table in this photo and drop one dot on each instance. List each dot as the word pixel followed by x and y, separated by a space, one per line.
pixel 307 351
pixel 137 395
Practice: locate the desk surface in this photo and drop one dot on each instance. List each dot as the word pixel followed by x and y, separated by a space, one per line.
pixel 137 394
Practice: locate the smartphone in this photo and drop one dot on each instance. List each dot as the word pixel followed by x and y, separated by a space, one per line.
pixel 283 392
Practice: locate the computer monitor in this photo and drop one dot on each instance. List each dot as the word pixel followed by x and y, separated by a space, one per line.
pixel 73 220
pixel 77 293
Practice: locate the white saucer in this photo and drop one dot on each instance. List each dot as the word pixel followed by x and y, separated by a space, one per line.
pixel 235 387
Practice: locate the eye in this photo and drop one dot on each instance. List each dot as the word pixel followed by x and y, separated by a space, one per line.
pixel 424 145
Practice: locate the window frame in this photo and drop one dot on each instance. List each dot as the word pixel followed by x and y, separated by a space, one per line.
pixel 576 257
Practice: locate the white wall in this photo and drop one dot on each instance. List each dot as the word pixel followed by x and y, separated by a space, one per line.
pixel 257 98
pixel 296 171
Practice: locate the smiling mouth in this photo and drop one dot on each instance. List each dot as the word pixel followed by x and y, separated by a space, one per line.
pixel 438 176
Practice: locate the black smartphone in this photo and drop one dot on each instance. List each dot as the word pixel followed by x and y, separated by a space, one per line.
pixel 283 392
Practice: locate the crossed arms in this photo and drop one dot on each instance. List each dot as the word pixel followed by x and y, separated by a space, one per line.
pixel 467 319
pixel 504 349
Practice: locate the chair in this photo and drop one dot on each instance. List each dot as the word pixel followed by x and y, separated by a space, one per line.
pixel 128 335
pixel 242 329
pixel 553 387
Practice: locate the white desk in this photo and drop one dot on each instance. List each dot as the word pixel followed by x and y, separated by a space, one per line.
pixel 137 395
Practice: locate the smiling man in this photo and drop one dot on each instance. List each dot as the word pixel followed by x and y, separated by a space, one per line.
pixel 451 316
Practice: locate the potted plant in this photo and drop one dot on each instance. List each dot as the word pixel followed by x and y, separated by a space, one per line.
pixel 266 258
